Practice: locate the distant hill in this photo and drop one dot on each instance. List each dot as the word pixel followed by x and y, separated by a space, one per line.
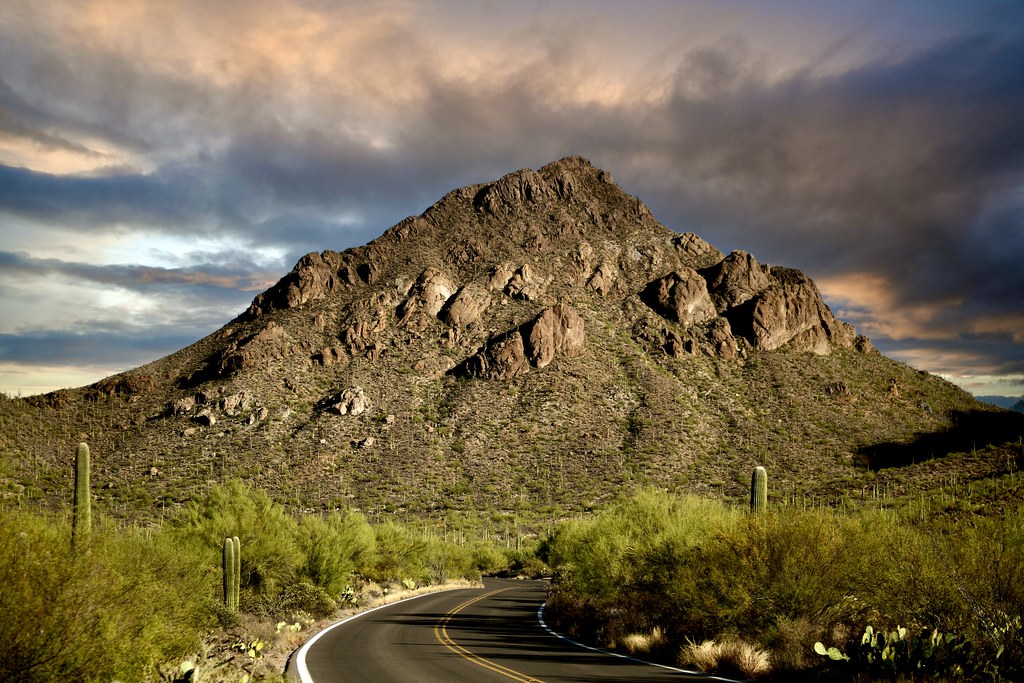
pixel 539 342
pixel 1015 403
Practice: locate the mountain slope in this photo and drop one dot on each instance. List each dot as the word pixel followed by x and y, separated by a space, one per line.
pixel 540 341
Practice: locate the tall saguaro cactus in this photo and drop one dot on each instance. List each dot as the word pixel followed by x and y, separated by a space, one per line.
pixel 232 572
pixel 759 490
pixel 82 511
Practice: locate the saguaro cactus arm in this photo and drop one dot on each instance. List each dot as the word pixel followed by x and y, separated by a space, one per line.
pixel 237 570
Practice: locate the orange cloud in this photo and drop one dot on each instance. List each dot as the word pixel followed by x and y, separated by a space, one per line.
pixel 877 312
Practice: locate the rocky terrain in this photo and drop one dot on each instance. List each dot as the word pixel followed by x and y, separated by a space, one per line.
pixel 540 341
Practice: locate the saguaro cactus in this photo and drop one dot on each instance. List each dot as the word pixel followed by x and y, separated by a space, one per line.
pixel 759 490
pixel 238 569
pixel 82 511
pixel 232 572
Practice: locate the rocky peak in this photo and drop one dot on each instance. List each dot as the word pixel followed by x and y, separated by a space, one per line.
pixel 506 272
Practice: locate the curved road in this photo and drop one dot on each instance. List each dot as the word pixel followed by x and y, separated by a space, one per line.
pixel 483 635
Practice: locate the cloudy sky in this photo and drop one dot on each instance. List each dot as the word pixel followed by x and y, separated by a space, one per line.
pixel 163 162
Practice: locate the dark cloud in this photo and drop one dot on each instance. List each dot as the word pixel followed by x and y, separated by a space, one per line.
pixel 904 167
pixel 207 281
pixel 910 170
pixel 123 347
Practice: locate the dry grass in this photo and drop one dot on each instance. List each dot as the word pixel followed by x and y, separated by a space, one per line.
pixel 728 657
pixel 643 643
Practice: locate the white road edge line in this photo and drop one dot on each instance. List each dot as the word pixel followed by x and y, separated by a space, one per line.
pixel 300 657
pixel 540 618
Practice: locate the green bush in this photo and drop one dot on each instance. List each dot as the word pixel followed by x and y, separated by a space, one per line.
pixel 271 556
pixel 400 554
pixel 785 579
pixel 335 548
pixel 487 559
pixel 117 609
pixel 305 598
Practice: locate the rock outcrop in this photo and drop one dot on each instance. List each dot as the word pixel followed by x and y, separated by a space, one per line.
pixel 790 311
pixel 466 307
pixel 695 250
pixel 738 297
pixel 681 296
pixel 426 299
pixel 352 401
pixel 736 279
pixel 270 343
pixel 557 332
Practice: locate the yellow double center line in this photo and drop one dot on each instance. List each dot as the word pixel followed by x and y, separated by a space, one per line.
pixel 441 633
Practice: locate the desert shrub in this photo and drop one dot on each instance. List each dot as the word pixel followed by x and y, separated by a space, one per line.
pixel 400 554
pixel 528 562
pixel 784 579
pixel 487 559
pixel 595 549
pixel 271 555
pixel 630 568
pixel 113 610
pixel 443 561
pixel 303 597
pixel 335 548
pixel 799 565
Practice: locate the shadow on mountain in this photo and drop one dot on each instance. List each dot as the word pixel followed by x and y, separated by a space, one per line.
pixel 970 430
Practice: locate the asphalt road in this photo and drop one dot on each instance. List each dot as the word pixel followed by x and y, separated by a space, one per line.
pixel 488 635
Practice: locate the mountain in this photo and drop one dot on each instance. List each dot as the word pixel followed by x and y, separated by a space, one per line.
pixel 1015 403
pixel 538 342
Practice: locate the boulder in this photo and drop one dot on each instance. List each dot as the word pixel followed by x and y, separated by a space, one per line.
pixel 428 295
pixel 579 264
pixel 695 252
pixel 205 417
pixel 720 337
pixel 790 312
pixel 362 335
pixel 351 401
pixel 503 357
pixel 525 284
pixel 231 405
pixel 681 296
pixel 466 306
pixel 676 346
pixel 330 355
pixel 183 406
pixel 556 332
pixel 501 275
pixel 603 278
pixel 736 279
